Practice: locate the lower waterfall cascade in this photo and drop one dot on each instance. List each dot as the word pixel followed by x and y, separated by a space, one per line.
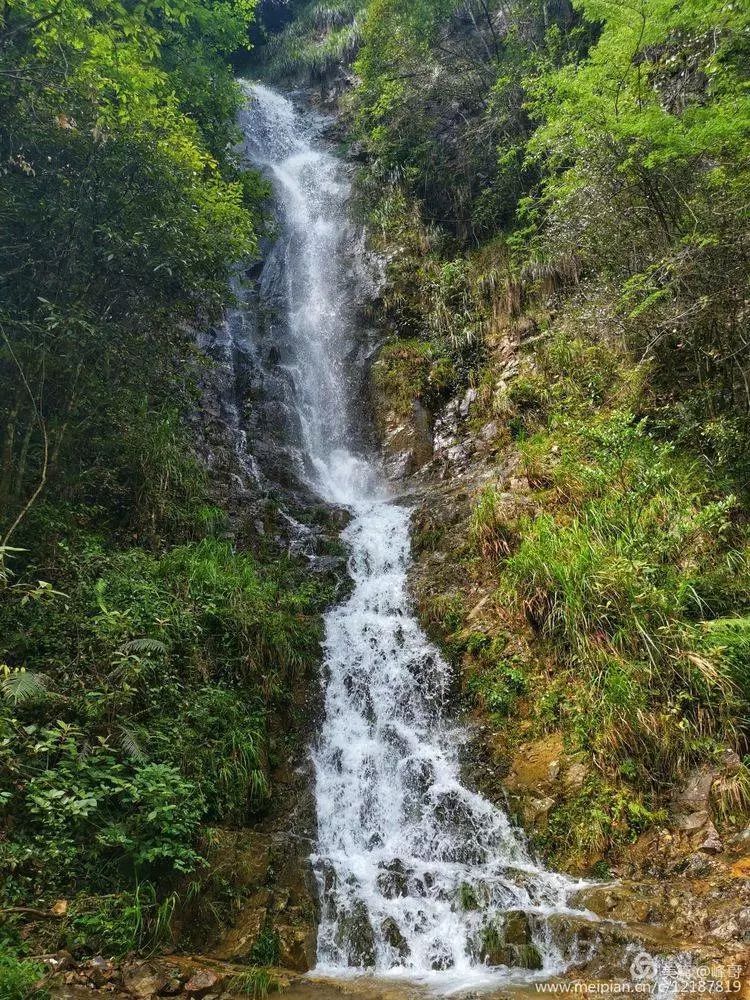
pixel 418 876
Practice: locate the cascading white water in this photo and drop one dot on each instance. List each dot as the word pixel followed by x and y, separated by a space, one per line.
pixel 417 873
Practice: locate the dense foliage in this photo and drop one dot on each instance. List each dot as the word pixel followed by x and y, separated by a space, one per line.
pixel 628 568
pixel 121 208
pixel 597 143
pixel 142 654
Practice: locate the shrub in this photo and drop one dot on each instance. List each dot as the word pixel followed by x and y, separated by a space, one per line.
pixel 19 977
pixel 159 674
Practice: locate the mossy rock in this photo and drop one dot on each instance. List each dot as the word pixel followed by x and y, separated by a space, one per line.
pixel 511 944
pixel 517 928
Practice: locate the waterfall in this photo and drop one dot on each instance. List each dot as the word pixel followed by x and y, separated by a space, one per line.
pixel 418 875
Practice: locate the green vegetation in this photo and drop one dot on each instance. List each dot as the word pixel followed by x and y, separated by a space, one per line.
pixel 560 189
pixel 144 657
pixel 619 577
pixel 19 979
pixel 122 212
pixel 547 145
pixel 148 712
pixel 636 552
pixel 320 39
pixel 255 983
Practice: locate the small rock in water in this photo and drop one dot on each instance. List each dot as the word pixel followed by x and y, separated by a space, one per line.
pixel 517 929
pixel 392 936
pixel 393 881
pixel 440 959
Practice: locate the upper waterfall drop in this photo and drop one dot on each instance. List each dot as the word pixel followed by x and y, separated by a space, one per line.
pixel 416 872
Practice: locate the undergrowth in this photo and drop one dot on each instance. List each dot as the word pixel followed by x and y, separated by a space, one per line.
pixel 135 712
pixel 616 570
pixel 20 978
pixel 631 571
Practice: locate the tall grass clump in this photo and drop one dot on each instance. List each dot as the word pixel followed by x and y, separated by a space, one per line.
pixel 492 530
pixel 256 983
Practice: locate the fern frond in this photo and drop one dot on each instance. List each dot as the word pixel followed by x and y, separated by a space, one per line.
pixel 145 645
pixel 131 746
pixel 19 686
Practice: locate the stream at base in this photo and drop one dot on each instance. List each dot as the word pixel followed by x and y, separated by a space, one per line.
pixel 419 877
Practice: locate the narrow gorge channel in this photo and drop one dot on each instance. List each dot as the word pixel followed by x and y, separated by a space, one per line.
pixel 418 876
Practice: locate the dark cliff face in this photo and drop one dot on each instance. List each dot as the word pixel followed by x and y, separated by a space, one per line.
pixel 248 429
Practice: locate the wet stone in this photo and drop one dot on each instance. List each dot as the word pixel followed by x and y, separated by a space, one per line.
pixel 517 928
pixel 440 958
pixel 394 938
pixel 526 956
pixel 395 739
pixel 393 881
pixel 419 776
pixel 355 936
pixel 513 956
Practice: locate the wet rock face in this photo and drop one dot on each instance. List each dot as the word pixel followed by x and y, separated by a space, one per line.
pixel 393 937
pixel 355 936
pixel 517 928
pixel 406 434
pixel 297 941
pixel 393 881
pixel 247 430
pixel 709 904
pixel 278 911
pixel 240 941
